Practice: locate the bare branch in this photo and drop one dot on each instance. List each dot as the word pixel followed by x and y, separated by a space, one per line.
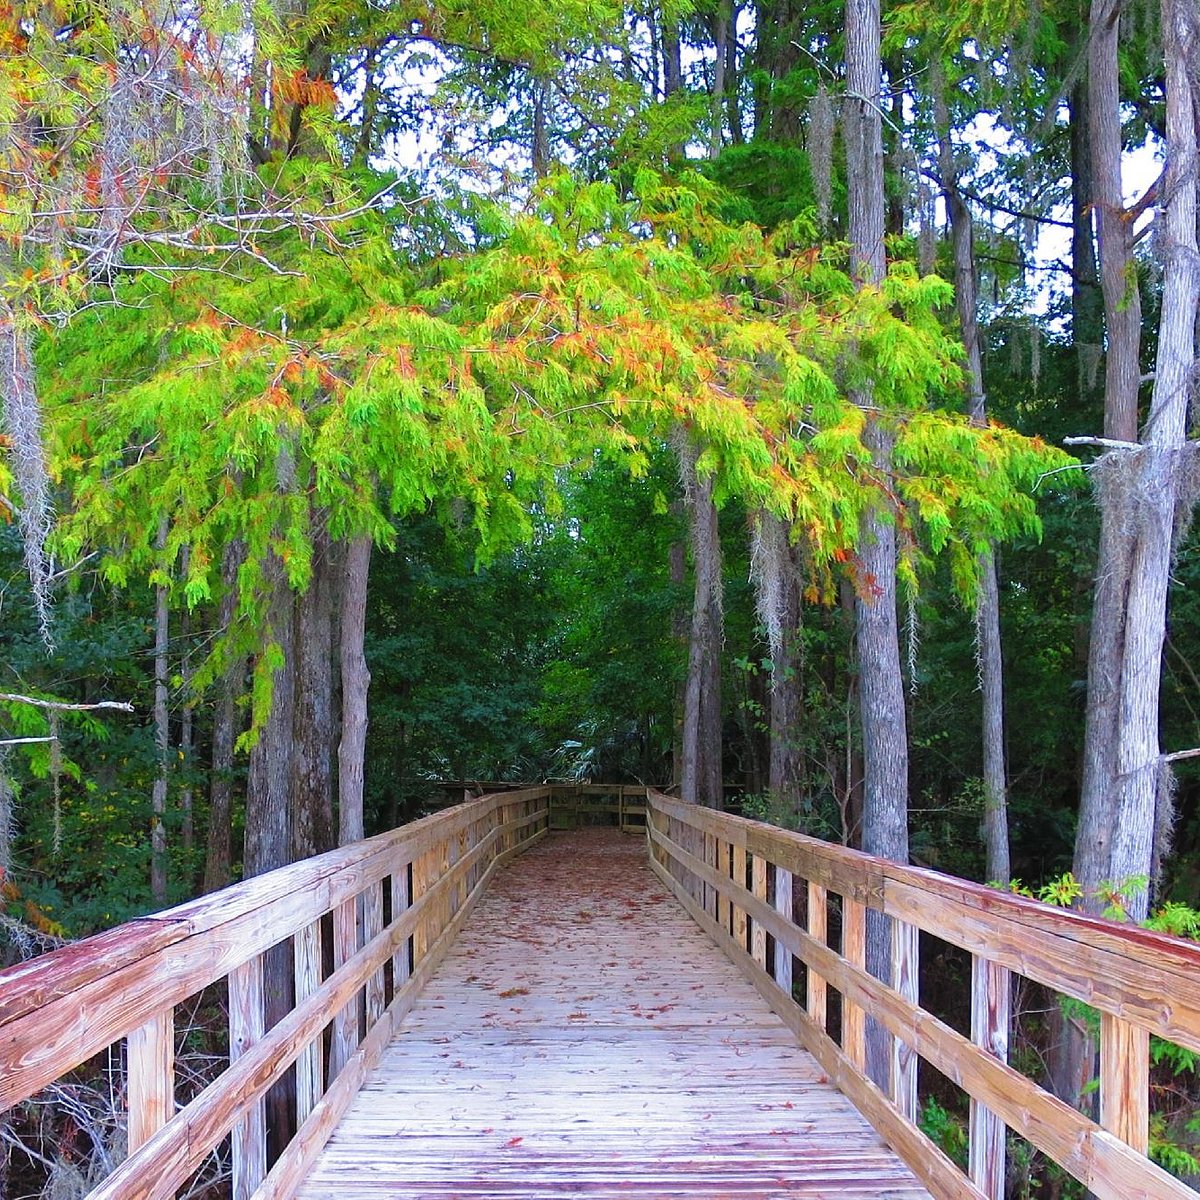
pixel 61 706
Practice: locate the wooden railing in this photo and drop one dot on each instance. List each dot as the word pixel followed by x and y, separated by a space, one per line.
pixel 742 881
pixel 391 906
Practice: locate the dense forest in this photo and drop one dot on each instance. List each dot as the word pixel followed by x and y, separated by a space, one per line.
pixel 685 393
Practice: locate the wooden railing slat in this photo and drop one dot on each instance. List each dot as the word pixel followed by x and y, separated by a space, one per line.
pixel 151 1070
pixel 782 963
pixel 991 1004
pixel 1125 1081
pixel 246 1030
pixel 310 1066
pixel 818 928
pixel 905 979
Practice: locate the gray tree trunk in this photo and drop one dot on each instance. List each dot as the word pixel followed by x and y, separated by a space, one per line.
pixel 219 857
pixel 987 601
pixel 885 739
pixel 312 762
pixel 356 679
pixel 702 779
pixel 1155 473
pixel 677 565
pixel 1122 372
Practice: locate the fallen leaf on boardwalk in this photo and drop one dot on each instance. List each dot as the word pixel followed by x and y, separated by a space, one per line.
pixel 514 1141
pixel 515 991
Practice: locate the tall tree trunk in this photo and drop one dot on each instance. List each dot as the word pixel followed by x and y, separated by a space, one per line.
pixel 702 777
pixel 776 570
pixel 268 842
pixel 356 679
pixel 987 600
pixel 162 738
pixel 733 102
pixel 1153 475
pixel 1123 319
pixel 219 857
pixel 541 136
pixel 187 736
pixel 677 563
pixel 885 739
pixel 717 100
pixel 672 57
pixel 312 765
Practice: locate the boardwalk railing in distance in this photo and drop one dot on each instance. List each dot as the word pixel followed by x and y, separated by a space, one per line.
pixel 742 881
pixel 392 905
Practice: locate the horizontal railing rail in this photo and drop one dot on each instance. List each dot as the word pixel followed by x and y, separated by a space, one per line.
pixel 739 879
pixel 392 905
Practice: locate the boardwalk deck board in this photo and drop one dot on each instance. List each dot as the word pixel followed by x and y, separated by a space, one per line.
pixel 585 1038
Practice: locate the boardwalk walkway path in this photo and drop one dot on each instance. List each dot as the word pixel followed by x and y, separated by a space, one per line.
pixel 584 1038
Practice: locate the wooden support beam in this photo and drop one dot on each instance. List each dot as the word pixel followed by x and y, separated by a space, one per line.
pixel 906 980
pixel 740 924
pixel 782 962
pixel 991 1007
pixel 1125 1081
pixel 854 951
pixel 150 1053
pixel 246 1027
pixel 758 885
pixel 818 927
pixel 347 1031
pixel 310 1066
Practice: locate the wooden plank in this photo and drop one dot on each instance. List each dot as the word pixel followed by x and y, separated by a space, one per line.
pixel 52 1020
pixel 246 1028
pixel 157 1170
pixel 927 1161
pixel 631 1061
pixel 991 1005
pixel 1102 1162
pixel 402 960
pixel 310 1065
pixel 782 961
pixel 1125 1081
pixel 818 928
pixel 372 927
pixel 758 938
pixel 740 922
pixel 905 979
pixel 347 1025
pixel 1132 973
pixel 854 951
pixel 725 869
pixel 151 1071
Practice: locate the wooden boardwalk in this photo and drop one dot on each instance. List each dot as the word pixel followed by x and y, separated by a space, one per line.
pixel 584 1038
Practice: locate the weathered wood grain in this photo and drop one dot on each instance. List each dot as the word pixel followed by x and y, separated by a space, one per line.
pixel 151 1067
pixel 583 1038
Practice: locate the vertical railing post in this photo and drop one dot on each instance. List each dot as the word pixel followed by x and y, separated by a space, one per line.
pixel 246 1027
pixel 310 1072
pixel 150 1061
pixel 782 964
pixel 854 951
pixel 817 998
pixel 723 859
pixel 905 979
pixel 401 967
pixel 758 885
pixel 346 1031
pixel 991 1003
pixel 372 928
pixel 739 914
pixel 1125 1081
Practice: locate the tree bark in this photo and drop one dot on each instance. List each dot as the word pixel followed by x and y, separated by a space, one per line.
pixel 356 679
pixel 312 764
pixel 717 100
pixel 1122 372
pixel 1155 473
pixel 885 740
pixel 702 777
pixel 1087 301
pixel 219 857
pixel 162 738
pixel 677 565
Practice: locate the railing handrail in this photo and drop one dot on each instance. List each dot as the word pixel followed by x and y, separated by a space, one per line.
pixel 59 1010
pixel 722 867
